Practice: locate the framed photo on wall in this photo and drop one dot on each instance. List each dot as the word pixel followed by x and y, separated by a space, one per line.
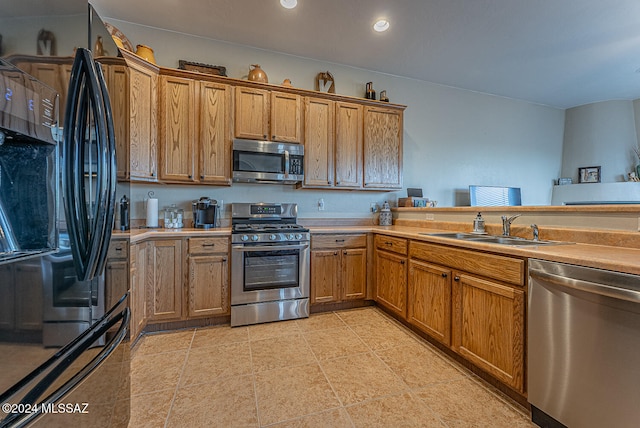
pixel 589 174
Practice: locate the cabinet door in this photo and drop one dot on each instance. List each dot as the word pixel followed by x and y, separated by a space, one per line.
pixel 142 124
pixel 318 142
pixel 286 111
pixel 252 113
pixel 429 302
pixel 137 298
pixel 29 301
pixel 348 145
pixel 164 293
pixel 116 279
pixel 488 327
pixel 391 282
pixel 325 272
pixel 208 285
pixel 354 273
pixel 382 148
pixel 177 129
pixel 215 133
pixel 117 78
pixel 7 306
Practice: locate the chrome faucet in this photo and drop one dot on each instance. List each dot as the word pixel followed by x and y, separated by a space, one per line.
pixel 506 224
pixel 536 232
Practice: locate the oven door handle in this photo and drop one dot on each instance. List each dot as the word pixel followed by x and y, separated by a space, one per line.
pixel 277 247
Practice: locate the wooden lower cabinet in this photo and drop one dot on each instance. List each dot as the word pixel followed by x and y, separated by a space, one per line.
pixel 208 283
pixel 164 286
pixel 429 301
pixel 137 296
pixel 116 273
pixel 488 327
pixel 391 282
pixel 338 268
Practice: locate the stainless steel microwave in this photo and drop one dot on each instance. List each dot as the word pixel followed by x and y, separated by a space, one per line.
pixel 267 162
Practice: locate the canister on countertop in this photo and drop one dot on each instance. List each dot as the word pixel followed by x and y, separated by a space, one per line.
pixel 173 217
pixel 386 219
pixel 478 224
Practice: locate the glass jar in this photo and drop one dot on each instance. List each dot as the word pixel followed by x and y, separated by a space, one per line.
pixel 173 217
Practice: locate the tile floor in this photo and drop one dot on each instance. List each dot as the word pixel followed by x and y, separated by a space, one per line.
pixel 355 368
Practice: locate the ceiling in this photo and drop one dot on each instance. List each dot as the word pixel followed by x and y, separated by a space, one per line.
pixel 559 53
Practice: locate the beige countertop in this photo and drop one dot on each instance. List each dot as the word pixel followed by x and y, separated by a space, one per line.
pixel 613 258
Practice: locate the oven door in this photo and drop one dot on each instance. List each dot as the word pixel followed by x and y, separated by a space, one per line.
pixel 269 272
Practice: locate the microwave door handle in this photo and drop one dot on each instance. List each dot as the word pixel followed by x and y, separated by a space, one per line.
pixel 286 164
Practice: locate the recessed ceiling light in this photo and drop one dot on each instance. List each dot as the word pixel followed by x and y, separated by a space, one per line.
pixel 289 4
pixel 381 25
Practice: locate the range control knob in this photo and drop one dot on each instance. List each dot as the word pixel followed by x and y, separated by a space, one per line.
pixel 298 235
pixel 244 238
pixel 272 237
pixel 292 236
pixel 254 237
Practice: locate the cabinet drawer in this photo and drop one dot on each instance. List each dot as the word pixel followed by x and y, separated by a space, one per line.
pixel 208 245
pixel 494 266
pixel 118 249
pixel 338 241
pixel 389 243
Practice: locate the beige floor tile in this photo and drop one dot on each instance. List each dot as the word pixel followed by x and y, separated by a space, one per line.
pixel 465 403
pixel 164 342
pixel 292 392
pixel 228 402
pixel 156 372
pixel 205 365
pixel 213 336
pixel 150 410
pixel 336 342
pixel 273 329
pixel 320 322
pixel 418 366
pixel 361 377
pixel 402 410
pixel 361 316
pixel 383 335
pixel 335 418
pixel 279 352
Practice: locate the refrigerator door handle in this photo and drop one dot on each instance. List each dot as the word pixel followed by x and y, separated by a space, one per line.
pixel 67 359
pixel 89 220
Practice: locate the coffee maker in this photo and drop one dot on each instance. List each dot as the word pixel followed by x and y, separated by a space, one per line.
pixel 205 213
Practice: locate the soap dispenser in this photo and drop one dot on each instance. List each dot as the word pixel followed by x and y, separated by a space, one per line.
pixel 386 218
pixel 478 224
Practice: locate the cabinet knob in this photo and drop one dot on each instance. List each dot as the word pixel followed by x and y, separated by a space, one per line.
pixel 330 182
pixel 456 278
pixel 153 174
pixel 264 136
pixel 273 137
pixel 339 240
pixel 401 262
pixel 337 183
pixel 202 177
pixel 335 253
pixel 444 275
pixel 344 252
pixel 224 259
pixel 190 176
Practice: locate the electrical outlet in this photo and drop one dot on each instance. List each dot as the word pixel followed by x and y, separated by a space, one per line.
pixel 320 204
pixel 373 207
pixel 429 216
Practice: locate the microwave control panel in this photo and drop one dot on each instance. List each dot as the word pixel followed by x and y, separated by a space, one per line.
pixel 295 165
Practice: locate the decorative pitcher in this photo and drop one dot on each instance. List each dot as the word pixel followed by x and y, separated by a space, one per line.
pixel 256 74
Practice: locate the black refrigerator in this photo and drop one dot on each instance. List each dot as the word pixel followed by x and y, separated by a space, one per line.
pixel 64 354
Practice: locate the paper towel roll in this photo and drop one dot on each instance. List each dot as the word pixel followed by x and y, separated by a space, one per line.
pixel 152 212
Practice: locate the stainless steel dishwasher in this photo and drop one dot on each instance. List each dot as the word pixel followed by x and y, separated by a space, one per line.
pixel 583 346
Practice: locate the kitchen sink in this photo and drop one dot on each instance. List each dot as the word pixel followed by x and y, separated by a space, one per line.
pixel 513 241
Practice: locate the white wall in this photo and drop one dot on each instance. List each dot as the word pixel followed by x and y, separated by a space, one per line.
pixel 452 137
pixel 600 134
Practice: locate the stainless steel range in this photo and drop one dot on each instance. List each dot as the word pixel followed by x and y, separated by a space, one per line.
pixel 269 264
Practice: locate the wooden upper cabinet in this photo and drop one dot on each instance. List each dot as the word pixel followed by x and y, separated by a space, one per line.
pixel 252 113
pixel 382 148
pixel 318 142
pixel 348 145
pixel 177 129
pixel 215 133
pixel 286 112
pixel 117 77
pixel 142 123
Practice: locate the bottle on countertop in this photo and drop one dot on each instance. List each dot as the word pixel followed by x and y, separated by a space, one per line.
pixel 124 213
pixel 478 224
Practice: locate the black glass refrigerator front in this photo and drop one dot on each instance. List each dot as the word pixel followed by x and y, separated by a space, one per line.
pixel 59 343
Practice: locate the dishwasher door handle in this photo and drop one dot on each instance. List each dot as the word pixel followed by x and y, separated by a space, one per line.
pixel 587 286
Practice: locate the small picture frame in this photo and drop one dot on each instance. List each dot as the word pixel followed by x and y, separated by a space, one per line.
pixel 589 174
